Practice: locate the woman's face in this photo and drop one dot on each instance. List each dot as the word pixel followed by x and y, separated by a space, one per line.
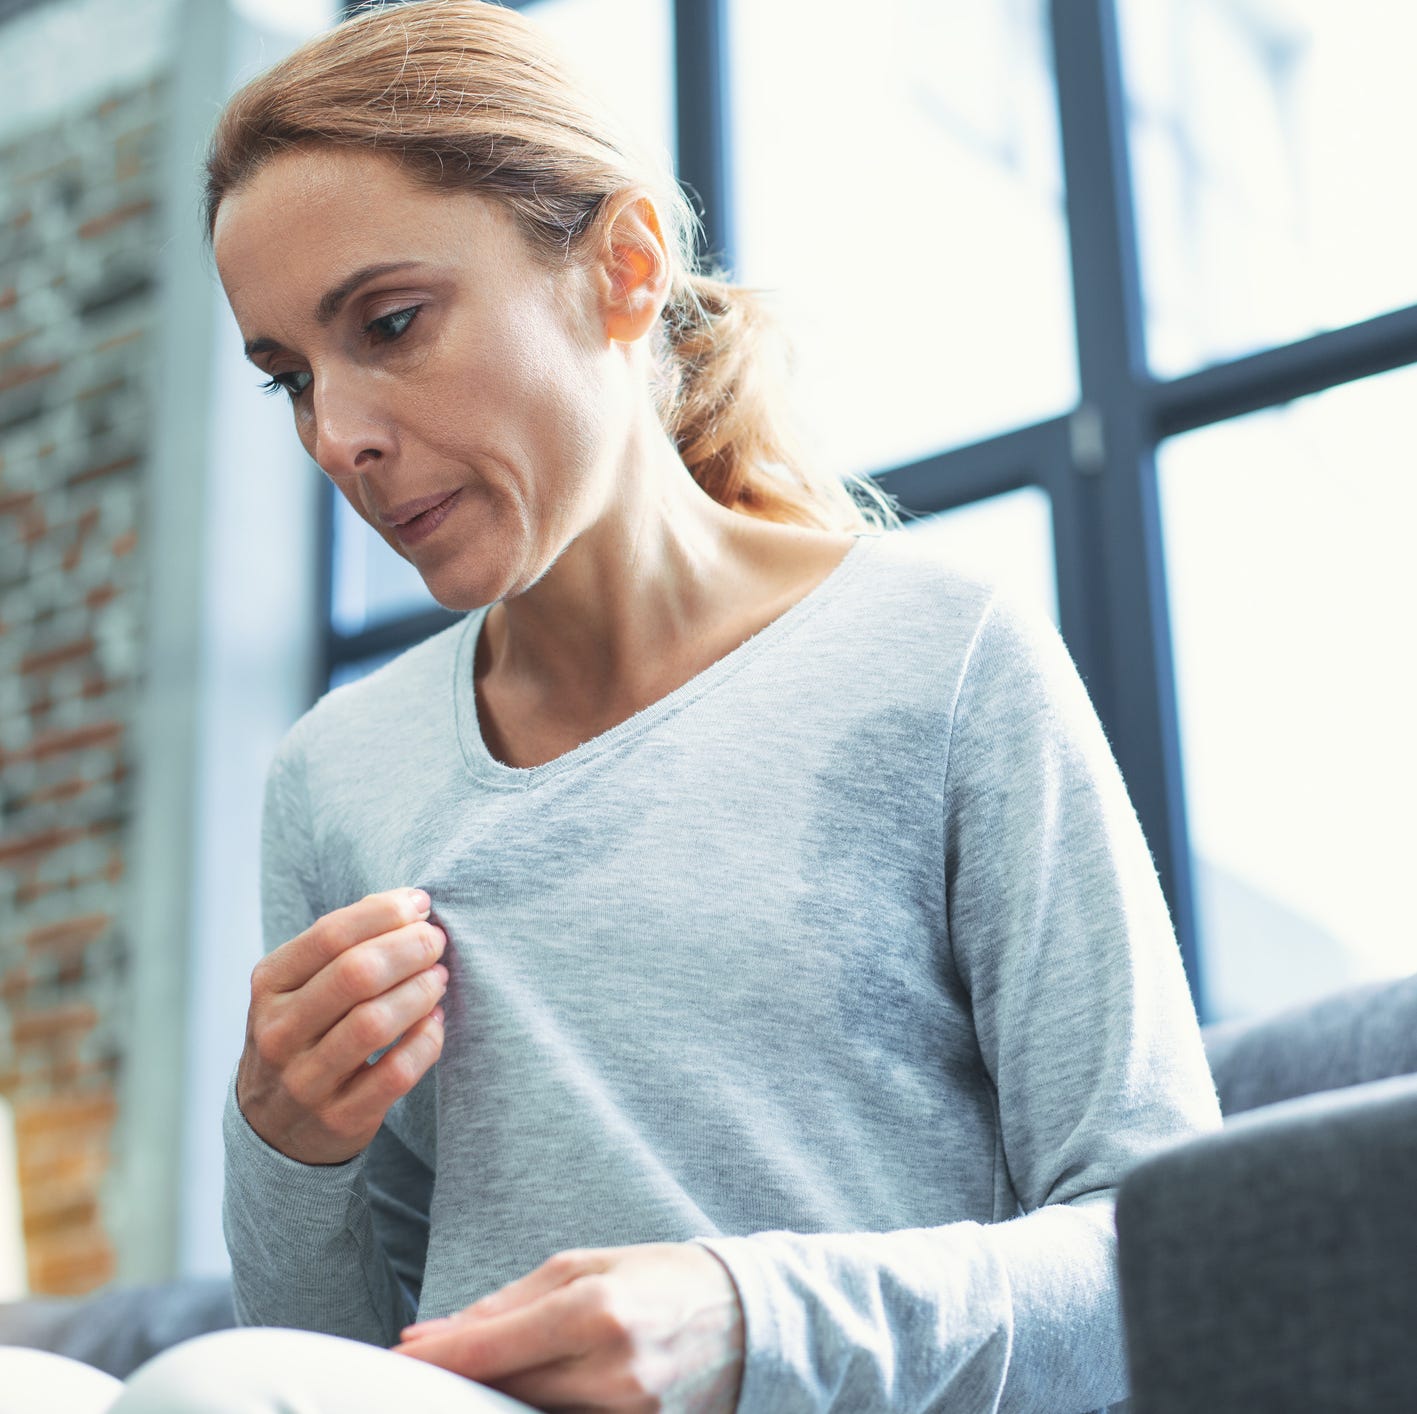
pixel 428 354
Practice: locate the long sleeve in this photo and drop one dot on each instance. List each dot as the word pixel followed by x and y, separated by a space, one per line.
pixel 337 1248
pixel 1059 932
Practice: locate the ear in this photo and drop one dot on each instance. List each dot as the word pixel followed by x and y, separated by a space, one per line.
pixel 634 266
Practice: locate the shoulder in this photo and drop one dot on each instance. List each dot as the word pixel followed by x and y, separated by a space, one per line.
pixel 399 699
pixel 911 603
pixel 996 654
pixel 906 564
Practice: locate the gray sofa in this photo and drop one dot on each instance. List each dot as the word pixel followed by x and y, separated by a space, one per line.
pixel 1269 1267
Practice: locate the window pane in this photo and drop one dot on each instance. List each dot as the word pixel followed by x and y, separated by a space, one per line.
pixel 1269 148
pixel 624 51
pixel 372 583
pixel 1007 539
pixel 899 190
pixel 1293 589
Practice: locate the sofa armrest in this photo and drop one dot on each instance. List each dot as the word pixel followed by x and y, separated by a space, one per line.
pixel 1273 1265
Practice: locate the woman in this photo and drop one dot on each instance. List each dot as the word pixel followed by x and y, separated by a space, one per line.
pixel 767 975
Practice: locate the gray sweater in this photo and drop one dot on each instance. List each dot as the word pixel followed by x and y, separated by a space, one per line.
pixel 847 959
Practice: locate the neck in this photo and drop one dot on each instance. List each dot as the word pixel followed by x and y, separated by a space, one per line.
pixel 662 581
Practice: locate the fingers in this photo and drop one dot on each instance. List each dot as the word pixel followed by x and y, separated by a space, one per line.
pixel 656 1325
pixel 372 1025
pixel 304 1083
pixel 367 970
pixel 293 964
pixel 556 1271
pixel 563 1325
pixel 361 1107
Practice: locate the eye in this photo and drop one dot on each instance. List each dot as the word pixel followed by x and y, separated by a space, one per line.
pixel 388 327
pixel 293 383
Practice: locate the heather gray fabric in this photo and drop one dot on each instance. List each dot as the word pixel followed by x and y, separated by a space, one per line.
pixel 1269 1269
pixel 846 958
pixel 1360 1034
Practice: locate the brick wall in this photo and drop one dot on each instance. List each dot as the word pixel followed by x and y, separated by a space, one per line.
pixel 78 262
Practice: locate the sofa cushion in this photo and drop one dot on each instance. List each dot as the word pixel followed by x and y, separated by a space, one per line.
pixel 119 1329
pixel 1351 1037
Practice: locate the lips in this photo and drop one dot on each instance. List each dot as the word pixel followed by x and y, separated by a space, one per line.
pixel 396 516
pixel 420 527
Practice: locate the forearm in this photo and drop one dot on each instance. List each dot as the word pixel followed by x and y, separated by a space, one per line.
pixel 303 1249
pixel 1018 1317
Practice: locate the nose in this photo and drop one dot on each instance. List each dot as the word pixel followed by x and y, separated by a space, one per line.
pixel 350 433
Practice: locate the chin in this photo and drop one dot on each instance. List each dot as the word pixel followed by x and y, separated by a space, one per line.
pixel 462 593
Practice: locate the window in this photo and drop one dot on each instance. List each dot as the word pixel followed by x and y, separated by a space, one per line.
pixel 899 194
pixel 1269 147
pixel 1292 586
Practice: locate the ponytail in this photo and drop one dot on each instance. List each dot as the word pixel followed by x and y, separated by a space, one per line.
pixel 724 411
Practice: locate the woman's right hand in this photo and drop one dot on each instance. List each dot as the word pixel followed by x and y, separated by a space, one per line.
pixel 356 980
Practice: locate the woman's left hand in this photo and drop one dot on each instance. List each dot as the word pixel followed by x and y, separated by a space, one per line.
pixel 656 1326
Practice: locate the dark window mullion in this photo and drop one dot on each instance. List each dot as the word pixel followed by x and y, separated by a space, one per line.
pixel 1280 374
pixel 1117 500
pixel 989 467
pixel 387 637
pixel 703 116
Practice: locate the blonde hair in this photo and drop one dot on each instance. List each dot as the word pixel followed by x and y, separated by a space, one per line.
pixel 468 95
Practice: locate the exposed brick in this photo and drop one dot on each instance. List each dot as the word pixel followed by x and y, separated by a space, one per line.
pixel 56 1208
pixel 34 525
pixel 7 345
pixel 61 1137
pixel 52 1024
pixel 39 843
pixel 15 983
pixel 68 935
pixel 99 225
pixel 86 523
pixel 102 469
pixel 76 421
pixel 27 373
pixel 71 1074
pixel 56 657
pixel 118 340
pixel 83 1262
pixel 58 743
pixel 63 790
pixel 100 686
pixel 100 390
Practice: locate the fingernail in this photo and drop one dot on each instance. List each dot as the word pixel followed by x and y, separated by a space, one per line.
pixel 440 972
pixel 421 902
pixel 437 1015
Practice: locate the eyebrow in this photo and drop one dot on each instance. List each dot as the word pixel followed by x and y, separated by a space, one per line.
pixel 332 301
